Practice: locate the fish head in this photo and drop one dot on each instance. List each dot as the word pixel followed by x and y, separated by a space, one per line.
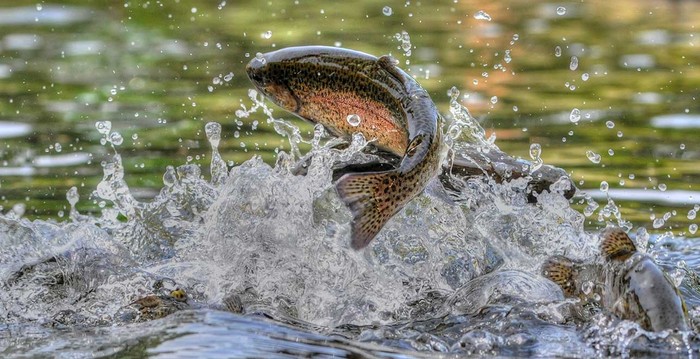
pixel 263 73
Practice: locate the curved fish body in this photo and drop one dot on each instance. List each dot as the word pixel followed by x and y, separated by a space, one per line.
pixel 327 85
pixel 627 283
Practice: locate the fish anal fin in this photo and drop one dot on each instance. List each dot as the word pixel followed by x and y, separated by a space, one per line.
pixel 560 270
pixel 617 245
pixel 373 198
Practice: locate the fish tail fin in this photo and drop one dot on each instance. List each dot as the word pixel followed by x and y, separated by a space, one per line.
pixel 373 198
pixel 617 245
pixel 560 270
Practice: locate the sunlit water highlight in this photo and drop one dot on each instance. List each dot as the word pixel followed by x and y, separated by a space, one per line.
pixel 443 275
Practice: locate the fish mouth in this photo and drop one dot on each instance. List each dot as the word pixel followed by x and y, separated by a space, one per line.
pixel 256 71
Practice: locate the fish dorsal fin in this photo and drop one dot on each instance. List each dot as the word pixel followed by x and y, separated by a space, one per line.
pixel 560 270
pixel 389 63
pixel 617 245
pixel 373 198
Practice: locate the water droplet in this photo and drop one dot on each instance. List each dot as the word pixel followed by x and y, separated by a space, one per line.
pixel 611 152
pixel 507 57
pixel 516 37
pixel 453 92
pixel 405 40
pixel 387 11
pixel 213 132
pixel 610 124
pixel 584 76
pixel 658 223
pixel 535 154
pixel 116 138
pixel 619 133
pixel 482 15
pixel 57 146
pixel 169 177
pixel 591 206
pixel 662 187
pixel 575 115
pixel 494 99
pixel 135 136
pixel 39 7
pixel 561 10
pixel 103 127
pixel 354 120
pixel 693 228
pixel 260 57
pixel 604 186
pixel 593 157
pixel 72 196
pixel 573 65
pixel 515 108
pixel 682 146
pixel 535 151
pixel 587 287
pixel 631 176
pixel 228 77
pixel 557 51
pixel 692 214
pixel 266 34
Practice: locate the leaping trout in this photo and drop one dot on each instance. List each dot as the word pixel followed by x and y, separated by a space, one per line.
pixel 326 85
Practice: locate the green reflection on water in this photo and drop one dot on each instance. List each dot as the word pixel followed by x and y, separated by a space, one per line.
pixel 149 67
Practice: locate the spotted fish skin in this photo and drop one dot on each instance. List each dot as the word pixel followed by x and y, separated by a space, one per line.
pixel 325 85
pixel 624 281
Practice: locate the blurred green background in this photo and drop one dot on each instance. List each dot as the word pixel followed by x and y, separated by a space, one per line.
pixel 160 70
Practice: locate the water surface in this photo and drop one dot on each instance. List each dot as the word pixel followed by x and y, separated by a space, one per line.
pixel 608 90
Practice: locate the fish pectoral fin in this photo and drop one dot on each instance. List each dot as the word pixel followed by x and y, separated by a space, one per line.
pixel 560 270
pixel 362 167
pixel 373 198
pixel 617 245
